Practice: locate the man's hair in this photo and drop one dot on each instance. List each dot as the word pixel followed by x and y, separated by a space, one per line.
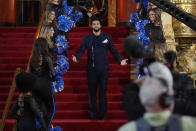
pixel 95 18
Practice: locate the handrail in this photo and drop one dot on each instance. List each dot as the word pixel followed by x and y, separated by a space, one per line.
pixel 9 100
pixel 36 36
pixel 38 29
pixel 41 19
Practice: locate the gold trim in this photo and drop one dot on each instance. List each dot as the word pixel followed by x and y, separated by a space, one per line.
pixel 180 29
pixel 183 1
pixel 111 12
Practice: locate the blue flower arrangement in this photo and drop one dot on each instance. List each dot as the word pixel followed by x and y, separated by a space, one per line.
pixel 76 16
pixel 59 83
pixel 64 23
pixel 57 128
pixel 145 3
pixel 60 69
pixel 68 9
pixel 142 35
pixel 139 74
pixel 140 27
pixel 66 19
pixel 62 44
pixel 134 17
pixel 63 65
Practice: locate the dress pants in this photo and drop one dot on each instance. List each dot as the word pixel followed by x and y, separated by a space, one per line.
pixel 97 78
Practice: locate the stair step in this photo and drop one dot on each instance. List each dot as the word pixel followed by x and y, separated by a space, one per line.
pixel 75 105
pixel 16 41
pixel 80 124
pixel 20 47
pixel 84 114
pixel 81 35
pixel 69 96
pixel 107 30
pixel 17 35
pixel 18 29
pixel 14 53
pixel 72 104
pixel 11 67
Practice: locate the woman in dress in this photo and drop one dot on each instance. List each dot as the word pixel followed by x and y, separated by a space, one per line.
pixel 155 33
pixel 41 65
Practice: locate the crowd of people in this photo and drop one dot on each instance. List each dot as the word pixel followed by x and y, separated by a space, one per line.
pixel 162 99
pixel 156 102
pixel 34 109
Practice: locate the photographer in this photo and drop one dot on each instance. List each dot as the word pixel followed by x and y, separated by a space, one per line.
pixel 183 86
pixel 133 107
pixel 156 95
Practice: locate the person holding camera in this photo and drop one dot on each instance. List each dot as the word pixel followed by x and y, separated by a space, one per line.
pixel 157 96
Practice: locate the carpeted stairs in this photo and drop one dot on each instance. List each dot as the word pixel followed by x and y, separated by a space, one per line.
pixel 71 104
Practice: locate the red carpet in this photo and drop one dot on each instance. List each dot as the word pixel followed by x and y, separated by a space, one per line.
pixel 72 104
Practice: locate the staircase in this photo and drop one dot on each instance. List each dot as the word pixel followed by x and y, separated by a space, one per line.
pixel 72 111
pixel 15 48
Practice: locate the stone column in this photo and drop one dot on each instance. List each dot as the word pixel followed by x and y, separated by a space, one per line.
pixel 186 38
pixel 111 12
pixel 168 31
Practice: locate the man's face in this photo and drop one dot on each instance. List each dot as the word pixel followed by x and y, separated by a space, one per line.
pixel 96 25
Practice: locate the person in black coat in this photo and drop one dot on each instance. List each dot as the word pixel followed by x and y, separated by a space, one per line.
pixel 97 45
pixel 25 103
pixel 183 103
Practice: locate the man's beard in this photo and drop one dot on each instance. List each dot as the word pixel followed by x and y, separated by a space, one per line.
pixel 96 30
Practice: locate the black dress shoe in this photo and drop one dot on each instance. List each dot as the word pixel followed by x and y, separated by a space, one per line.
pixel 92 117
pixel 102 117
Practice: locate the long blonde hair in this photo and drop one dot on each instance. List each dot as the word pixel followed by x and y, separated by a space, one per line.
pixel 44 34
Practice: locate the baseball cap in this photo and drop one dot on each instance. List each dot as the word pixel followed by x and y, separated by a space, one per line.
pixel 160 71
pixel 150 91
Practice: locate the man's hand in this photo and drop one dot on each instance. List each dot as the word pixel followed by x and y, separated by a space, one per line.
pixel 124 62
pixel 74 59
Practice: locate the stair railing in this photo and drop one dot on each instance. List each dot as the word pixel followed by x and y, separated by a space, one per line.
pixel 18 70
pixel 9 100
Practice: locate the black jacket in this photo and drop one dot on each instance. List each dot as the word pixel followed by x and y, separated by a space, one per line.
pixel 97 49
pixel 26 121
pixel 134 109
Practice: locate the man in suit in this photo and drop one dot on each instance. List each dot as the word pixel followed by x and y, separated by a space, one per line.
pixel 97 45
